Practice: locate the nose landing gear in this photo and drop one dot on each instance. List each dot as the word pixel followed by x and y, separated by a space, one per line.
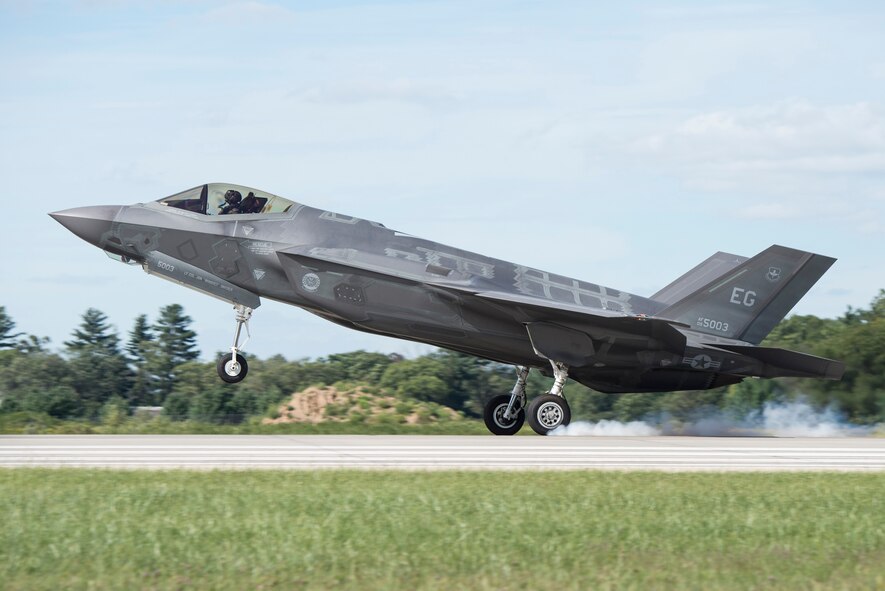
pixel 233 368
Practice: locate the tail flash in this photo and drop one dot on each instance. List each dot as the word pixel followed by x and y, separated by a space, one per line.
pixel 747 301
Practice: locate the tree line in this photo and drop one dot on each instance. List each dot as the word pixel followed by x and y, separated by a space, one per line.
pixel 157 365
pixel 97 372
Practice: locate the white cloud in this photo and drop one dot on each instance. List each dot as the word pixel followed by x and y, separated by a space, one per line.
pixel 785 135
pixel 787 148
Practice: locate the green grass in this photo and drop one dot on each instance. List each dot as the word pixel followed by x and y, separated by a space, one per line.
pixel 95 529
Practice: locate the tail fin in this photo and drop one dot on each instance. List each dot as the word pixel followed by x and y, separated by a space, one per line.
pixel 746 302
pixel 716 266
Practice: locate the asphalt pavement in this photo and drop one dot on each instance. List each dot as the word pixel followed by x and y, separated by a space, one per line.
pixel 407 452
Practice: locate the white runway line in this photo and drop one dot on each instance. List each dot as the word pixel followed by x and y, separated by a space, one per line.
pixel 441 452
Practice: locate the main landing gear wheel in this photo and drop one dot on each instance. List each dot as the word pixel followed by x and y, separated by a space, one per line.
pixel 232 371
pixel 547 412
pixel 493 415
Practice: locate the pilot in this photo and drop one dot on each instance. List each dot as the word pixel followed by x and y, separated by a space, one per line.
pixel 231 203
pixel 250 204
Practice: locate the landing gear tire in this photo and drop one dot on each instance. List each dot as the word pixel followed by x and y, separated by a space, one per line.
pixel 232 371
pixel 547 412
pixel 493 415
pixel 232 367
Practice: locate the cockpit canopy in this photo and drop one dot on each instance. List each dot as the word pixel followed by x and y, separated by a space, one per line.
pixel 227 199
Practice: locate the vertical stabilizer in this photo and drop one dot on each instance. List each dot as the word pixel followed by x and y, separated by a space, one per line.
pixel 716 266
pixel 748 301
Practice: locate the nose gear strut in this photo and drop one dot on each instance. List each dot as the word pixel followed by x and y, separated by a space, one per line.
pixel 233 368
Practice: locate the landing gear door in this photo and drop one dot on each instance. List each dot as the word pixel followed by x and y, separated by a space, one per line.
pixel 558 343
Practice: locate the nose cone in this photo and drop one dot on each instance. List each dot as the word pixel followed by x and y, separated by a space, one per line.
pixel 89 223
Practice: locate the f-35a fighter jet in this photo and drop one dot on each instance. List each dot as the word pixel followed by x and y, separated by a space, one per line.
pixel 240 244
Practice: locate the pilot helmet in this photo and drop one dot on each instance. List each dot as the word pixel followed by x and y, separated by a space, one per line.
pixel 233 197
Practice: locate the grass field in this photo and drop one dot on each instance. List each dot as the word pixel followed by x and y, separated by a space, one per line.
pixel 95 529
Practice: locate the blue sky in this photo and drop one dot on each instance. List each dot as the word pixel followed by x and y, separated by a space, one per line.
pixel 617 144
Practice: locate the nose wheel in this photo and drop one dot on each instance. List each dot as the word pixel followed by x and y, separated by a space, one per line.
pixel 233 368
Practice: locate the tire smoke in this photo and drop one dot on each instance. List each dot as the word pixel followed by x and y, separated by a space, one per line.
pixel 796 418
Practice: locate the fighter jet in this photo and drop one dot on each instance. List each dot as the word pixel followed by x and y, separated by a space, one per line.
pixel 240 245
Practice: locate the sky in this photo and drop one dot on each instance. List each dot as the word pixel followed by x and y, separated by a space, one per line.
pixel 619 143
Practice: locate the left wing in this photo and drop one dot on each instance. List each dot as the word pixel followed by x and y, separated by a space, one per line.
pixel 554 327
pixel 558 330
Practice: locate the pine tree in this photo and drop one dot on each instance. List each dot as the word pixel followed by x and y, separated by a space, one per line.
pixel 174 336
pixel 139 338
pixel 140 347
pixel 175 344
pixel 7 325
pixel 93 337
pixel 98 368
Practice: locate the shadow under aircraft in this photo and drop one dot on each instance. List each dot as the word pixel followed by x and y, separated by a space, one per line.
pixel 240 245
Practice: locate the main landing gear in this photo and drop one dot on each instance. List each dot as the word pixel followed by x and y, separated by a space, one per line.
pixel 505 414
pixel 233 368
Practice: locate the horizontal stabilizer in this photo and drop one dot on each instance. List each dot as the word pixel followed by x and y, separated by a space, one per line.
pixel 782 363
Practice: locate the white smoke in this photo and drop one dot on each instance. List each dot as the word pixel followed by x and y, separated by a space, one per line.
pixel 799 419
pixel 776 419
pixel 607 429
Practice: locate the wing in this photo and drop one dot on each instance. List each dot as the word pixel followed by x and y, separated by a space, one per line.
pixel 562 331
pixel 571 333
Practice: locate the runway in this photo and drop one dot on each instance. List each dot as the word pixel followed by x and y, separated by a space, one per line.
pixel 307 452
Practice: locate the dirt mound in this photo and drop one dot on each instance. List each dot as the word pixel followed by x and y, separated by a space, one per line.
pixel 319 404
